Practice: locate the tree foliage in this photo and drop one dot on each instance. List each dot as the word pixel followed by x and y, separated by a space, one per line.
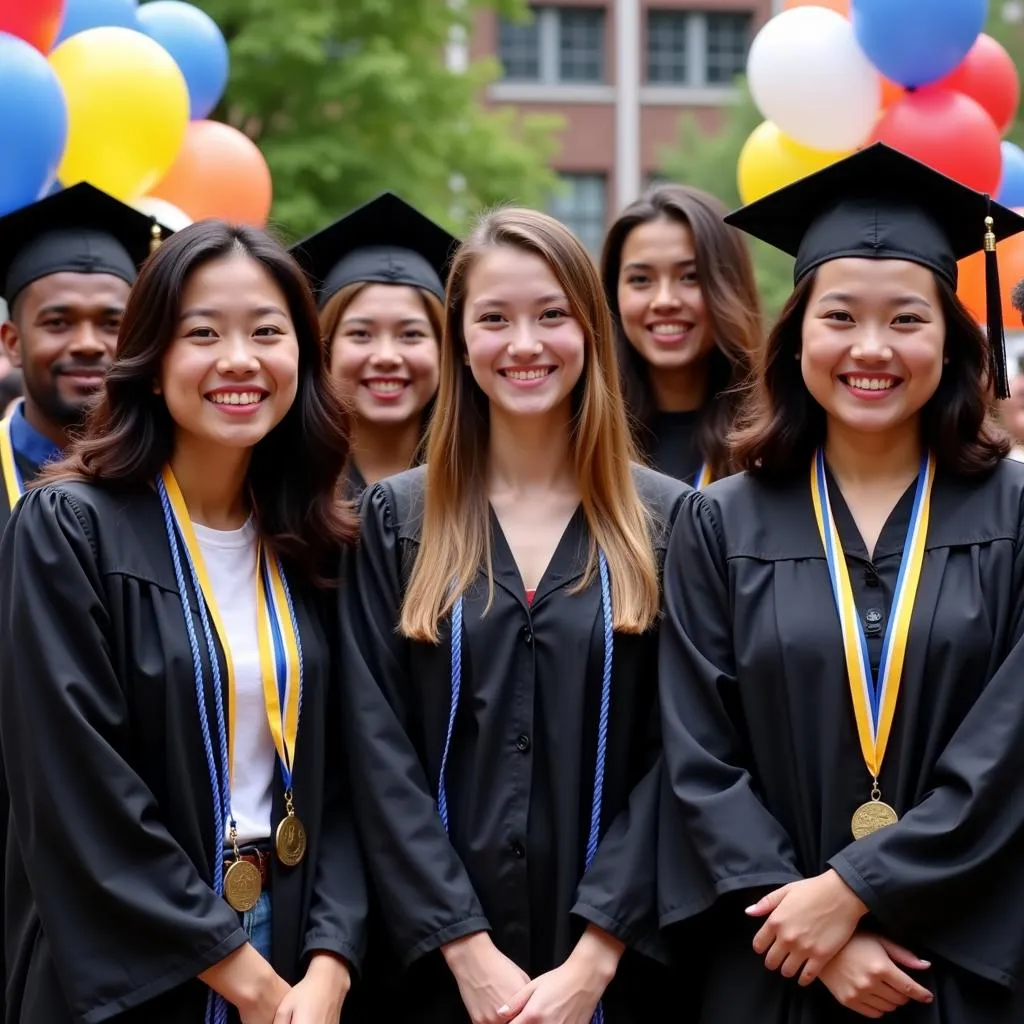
pixel 347 98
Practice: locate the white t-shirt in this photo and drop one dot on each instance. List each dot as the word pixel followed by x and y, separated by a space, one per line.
pixel 230 557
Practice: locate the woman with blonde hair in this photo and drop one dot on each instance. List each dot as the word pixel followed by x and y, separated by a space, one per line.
pixel 501 638
pixel 379 277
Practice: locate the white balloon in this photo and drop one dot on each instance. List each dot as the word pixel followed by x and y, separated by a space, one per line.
pixel 166 213
pixel 809 76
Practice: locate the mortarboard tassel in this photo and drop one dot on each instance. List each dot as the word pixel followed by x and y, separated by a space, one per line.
pixel 993 302
pixel 155 237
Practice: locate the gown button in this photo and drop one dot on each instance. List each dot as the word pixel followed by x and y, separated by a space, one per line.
pixel 517 849
pixel 873 616
pixel 523 744
pixel 527 635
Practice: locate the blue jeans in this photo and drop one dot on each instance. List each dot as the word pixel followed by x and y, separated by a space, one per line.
pixel 257 923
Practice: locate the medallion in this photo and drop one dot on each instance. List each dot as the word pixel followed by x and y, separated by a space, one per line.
pixel 871 817
pixel 242 886
pixel 290 841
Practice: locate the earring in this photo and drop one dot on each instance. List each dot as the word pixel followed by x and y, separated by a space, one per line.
pixel 945 360
pixel 796 355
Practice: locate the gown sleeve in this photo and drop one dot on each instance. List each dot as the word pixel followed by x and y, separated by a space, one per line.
pixel 340 904
pixel 125 912
pixel 425 893
pixel 738 843
pixel 948 874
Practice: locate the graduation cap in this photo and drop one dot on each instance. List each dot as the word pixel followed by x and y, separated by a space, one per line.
pixel 881 204
pixel 78 229
pixel 385 241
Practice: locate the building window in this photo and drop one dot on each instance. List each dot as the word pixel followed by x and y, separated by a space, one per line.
pixel 667 47
pixel 696 49
pixel 728 39
pixel 559 45
pixel 581 206
pixel 519 50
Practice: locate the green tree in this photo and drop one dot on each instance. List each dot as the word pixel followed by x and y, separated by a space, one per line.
pixel 347 98
pixel 707 159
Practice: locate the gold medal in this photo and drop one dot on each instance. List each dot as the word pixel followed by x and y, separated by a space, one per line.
pixel 242 886
pixel 290 841
pixel 871 817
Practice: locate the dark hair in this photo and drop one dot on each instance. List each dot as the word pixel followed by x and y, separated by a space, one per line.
pixel 295 470
pixel 781 425
pixel 1017 297
pixel 726 277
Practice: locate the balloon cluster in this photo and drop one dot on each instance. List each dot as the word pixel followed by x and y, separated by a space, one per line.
pixel 831 76
pixel 118 94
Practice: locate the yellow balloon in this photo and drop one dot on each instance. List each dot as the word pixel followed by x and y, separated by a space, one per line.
pixel 128 109
pixel 770 160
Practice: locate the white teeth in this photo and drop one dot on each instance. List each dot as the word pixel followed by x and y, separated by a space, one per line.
pixel 236 397
pixel 386 386
pixel 872 383
pixel 526 374
pixel 669 329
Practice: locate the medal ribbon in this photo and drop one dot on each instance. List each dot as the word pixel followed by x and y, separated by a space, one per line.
pixel 280 661
pixel 874 700
pixel 703 477
pixel 13 483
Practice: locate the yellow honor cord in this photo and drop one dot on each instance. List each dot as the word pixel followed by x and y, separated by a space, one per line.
pixel 874 707
pixel 274 609
pixel 12 479
pixel 703 476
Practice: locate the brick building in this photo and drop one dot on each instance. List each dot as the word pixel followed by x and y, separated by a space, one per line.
pixel 620 72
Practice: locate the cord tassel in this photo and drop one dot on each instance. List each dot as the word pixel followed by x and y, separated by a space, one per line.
pixel 994 309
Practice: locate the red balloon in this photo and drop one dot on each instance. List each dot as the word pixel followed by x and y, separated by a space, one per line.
pixel 947 131
pixel 987 74
pixel 36 21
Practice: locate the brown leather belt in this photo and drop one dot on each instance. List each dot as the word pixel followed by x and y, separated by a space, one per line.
pixel 261 858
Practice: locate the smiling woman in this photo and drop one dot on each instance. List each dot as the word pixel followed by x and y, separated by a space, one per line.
pixel 179 803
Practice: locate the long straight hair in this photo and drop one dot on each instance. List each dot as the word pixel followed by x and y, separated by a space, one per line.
pixel 456 538
pixel 725 274
pixel 294 472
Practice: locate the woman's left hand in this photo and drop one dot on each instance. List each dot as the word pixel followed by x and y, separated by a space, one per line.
pixel 808 923
pixel 569 994
pixel 318 998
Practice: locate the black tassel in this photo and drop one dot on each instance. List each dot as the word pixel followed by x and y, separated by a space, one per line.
pixel 994 304
pixel 155 237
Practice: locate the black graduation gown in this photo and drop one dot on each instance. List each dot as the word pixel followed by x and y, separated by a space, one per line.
pixel 675 451
pixel 29 471
pixel 110 914
pixel 521 768
pixel 763 760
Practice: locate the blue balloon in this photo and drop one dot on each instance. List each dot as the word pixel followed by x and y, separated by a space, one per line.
pixel 33 124
pixel 914 42
pixel 80 15
pixel 1011 188
pixel 192 38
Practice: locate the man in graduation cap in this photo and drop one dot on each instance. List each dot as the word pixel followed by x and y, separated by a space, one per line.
pixel 67 264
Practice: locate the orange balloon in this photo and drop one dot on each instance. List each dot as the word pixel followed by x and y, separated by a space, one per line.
pixel 971 282
pixel 839 6
pixel 891 92
pixel 219 172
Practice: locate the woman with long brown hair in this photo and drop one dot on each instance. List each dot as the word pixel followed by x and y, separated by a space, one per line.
pixel 500 643
pixel 379 275
pixel 178 798
pixel 843 643
pixel 681 288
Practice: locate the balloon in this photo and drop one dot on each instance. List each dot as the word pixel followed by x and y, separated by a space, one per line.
pixel 987 74
pixel 192 38
pixel 127 110
pixel 33 123
pixel 35 21
pixel 948 131
pixel 1011 188
pixel 166 213
pixel 809 77
pixel 839 6
pixel 80 15
pixel 770 161
pixel 971 283
pixel 891 92
pixel 915 42
pixel 220 172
